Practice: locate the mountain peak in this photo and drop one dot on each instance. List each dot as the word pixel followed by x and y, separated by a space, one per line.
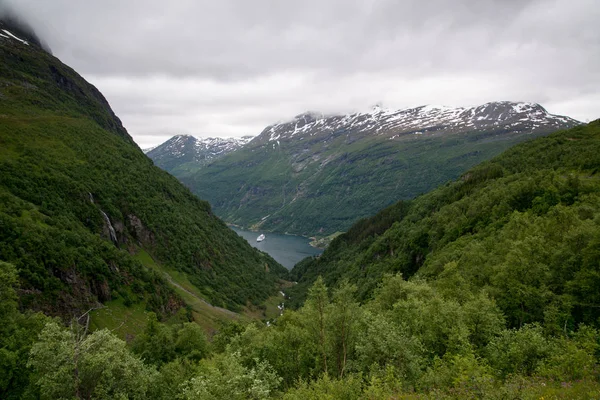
pixel 179 138
pixel 184 149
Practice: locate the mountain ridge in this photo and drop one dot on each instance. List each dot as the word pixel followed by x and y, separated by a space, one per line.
pixel 426 118
pixel 316 174
pixel 187 152
pixel 20 30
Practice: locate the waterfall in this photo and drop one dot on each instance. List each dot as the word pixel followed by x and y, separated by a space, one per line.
pixel 111 230
pixel 91 198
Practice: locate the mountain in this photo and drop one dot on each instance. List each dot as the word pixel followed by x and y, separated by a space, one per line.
pixel 318 174
pixel 524 227
pixel 87 219
pixel 486 287
pixel 13 27
pixel 184 153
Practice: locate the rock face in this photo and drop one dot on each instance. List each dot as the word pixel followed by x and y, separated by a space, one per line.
pixel 317 174
pixel 184 153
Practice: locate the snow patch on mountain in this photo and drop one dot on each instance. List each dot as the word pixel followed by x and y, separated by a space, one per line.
pixel 10 35
pixel 428 119
pixel 187 148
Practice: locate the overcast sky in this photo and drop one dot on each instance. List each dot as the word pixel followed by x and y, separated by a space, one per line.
pixel 232 67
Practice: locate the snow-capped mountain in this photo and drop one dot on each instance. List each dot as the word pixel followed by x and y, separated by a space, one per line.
pixel 317 174
pixel 504 115
pixel 189 152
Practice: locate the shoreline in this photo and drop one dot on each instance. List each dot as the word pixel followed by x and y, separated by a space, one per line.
pixel 313 240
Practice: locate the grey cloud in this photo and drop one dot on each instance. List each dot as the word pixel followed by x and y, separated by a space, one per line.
pixel 234 39
pixel 233 66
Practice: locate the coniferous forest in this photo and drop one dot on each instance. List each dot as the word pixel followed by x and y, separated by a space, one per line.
pixel 487 287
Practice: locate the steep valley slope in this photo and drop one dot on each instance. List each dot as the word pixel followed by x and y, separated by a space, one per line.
pixel 80 203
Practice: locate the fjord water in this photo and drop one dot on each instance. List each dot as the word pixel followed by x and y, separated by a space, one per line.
pixel 285 249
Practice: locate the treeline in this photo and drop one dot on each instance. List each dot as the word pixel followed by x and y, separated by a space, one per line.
pixel 413 340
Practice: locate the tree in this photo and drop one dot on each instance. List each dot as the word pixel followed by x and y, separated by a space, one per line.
pixel 156 344
pixel 69 365
pixel 325 388
pixel 344 317
pixel 315 309
pixel 225 378
pixel 18 332
pixel 519 351
pixel 191 342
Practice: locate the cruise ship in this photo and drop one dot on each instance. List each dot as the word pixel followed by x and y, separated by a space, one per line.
pixel 260 238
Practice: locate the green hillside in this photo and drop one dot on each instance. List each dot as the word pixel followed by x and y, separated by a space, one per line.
pixel 70 173
pixel 501 300
pixel 525 227
pixel 322 179
pixel 485 288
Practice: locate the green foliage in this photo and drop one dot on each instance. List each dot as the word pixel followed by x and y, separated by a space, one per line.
pixel 317 305
pixel 410 338
pixel 225 378
pixel 8 297
pixel 523 227
pixel 573 359
pixel 349 388
pixel 65 160
pixel 382 345
pixel 288 346
pixel 407 342
pixel 191 342
pixel 18 332
pixel 461 372
pixel 226 334
pixel 519 351
pixel 156 344
pixel 160 344
pixel 171 378
pixel 67 364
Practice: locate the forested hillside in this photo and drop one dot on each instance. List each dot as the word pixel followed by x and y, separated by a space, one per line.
pixel 524 227
pixel 485 288
pixel 78 201
pixel 501 299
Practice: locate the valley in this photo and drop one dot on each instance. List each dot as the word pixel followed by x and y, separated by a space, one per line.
pixel 430 252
